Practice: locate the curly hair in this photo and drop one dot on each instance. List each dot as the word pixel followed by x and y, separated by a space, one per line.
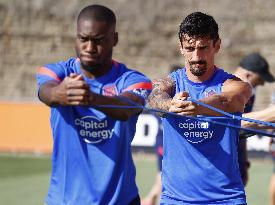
pixel 198 25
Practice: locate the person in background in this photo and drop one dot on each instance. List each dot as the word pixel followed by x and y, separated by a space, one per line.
pixel 253 69
pixel 91 161
pixel 272 180
pixel 153 196
pixel 267 115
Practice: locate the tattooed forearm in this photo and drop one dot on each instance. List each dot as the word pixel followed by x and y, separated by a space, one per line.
pixel 160 100
pixel 161 95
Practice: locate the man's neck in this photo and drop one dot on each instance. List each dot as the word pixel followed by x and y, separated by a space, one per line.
pixel 97 70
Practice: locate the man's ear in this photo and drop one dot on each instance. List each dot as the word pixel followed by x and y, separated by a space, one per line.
pixel 217 45
pixel 181 48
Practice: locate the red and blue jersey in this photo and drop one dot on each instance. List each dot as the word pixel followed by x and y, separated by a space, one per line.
pixel 200 160
pixel 91 160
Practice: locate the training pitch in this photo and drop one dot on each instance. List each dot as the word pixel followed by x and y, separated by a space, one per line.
pixel 24 178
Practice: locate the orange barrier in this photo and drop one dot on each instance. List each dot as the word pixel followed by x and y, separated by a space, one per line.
pixel 25 127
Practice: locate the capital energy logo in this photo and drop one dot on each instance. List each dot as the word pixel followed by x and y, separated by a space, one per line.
pixel 196 131
pixel 94 130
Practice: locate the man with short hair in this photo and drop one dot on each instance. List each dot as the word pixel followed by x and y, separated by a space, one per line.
pixel 92 134
pixel 200 160
pixel 253 69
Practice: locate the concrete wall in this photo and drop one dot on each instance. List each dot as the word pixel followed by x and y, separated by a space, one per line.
pixel 35 32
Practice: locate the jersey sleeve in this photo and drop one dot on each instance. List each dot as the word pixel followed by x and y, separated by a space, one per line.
pixel 50 72
pixel 137 84
pixel 174 75
pixel 225 76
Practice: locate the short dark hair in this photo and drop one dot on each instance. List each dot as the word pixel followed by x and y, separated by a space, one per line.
pixel 198 25
pixel 98 13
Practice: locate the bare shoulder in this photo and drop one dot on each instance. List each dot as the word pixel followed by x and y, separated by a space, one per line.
pixel 236 83
pixel 236 86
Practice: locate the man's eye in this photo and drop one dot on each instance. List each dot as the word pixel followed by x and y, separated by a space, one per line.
pixel 83 39
pixel 100 40
pixel 189 49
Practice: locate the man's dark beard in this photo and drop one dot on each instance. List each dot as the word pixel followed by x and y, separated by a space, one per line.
pixel 90 68
pixel 196 70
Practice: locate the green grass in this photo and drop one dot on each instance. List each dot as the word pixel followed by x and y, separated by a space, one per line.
pixel 146 168
pixel 258 184
pixel 24 179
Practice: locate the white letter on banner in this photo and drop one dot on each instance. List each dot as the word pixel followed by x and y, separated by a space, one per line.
pixel 143 138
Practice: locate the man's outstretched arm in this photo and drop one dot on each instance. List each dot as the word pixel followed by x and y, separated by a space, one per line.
pixel 73 91
pixel 267 115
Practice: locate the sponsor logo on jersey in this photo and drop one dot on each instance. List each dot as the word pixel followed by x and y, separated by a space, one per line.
pixel 94 130
pixel 196 131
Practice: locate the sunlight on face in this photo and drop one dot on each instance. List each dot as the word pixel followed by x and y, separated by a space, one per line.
pixel 94 43
pixel 199 54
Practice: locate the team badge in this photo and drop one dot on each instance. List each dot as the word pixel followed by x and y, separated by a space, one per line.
pixel 109 90
pixel 209 93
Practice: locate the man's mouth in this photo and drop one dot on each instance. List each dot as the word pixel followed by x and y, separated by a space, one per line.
pixel 89 57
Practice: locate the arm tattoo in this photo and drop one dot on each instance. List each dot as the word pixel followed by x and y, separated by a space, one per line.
pixel 161 95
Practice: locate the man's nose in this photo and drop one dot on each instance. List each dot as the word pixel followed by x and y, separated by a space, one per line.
pixel 196 55
pixel 91 46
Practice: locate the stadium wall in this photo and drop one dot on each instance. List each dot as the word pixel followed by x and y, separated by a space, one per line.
pixel 25 128
pixel 36 32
